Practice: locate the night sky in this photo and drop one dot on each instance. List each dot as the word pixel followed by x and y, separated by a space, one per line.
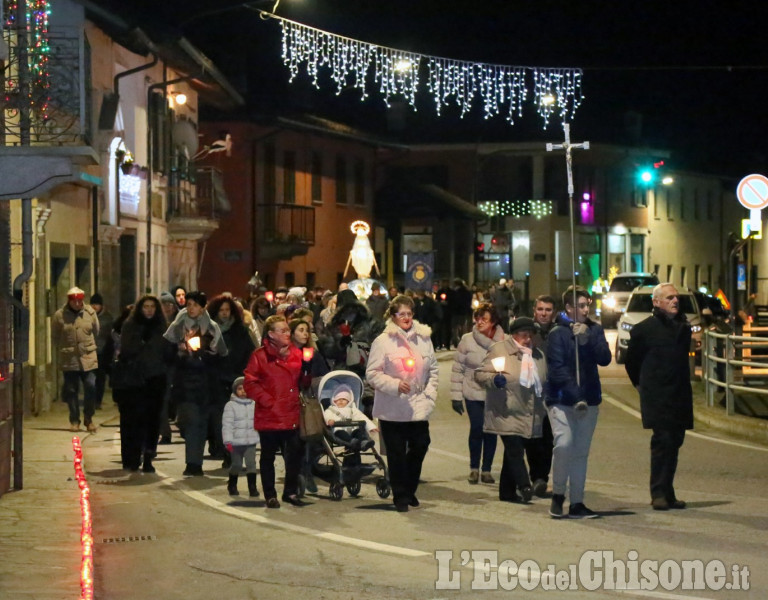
pixel 697 72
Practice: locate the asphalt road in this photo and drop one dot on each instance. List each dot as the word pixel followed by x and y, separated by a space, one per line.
pixel 164 536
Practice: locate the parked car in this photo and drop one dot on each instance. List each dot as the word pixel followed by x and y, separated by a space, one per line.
pixel 639 308
pixel 614 302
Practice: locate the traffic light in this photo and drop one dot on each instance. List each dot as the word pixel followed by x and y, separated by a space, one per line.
pixel 479 251
pixel 648 174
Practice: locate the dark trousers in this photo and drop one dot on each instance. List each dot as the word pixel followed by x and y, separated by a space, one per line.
pixel 513 471
pixel 407 443
pixel 538 451
pixel 292 447
pixel 480 444
pixel 101 380
pixel 168 410
pixel 665 446
pixel 139 421
pixel 72 380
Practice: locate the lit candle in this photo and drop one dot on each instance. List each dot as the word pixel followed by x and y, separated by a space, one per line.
pixel 499 363
pixel 408 363
pixel 193 343
pixel 270 296
pixel 308 353
pixel 443 296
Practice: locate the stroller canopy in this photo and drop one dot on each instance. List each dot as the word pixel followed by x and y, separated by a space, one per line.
pixel 334 379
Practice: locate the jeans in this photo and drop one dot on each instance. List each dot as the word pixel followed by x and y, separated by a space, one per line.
pixel 573 437
pixel 69 392
pixel 292 447
pixel 513 471
pixel 407 443
pixel 665 446
pixel 240 453
pixel 479 443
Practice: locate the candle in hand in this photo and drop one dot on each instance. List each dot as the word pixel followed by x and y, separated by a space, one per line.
pixel 499 363
pixel 270 296
pixel 408 363
pixel 307 353
pixel 193 343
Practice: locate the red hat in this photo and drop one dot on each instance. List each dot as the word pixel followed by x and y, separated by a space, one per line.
pixel 75 293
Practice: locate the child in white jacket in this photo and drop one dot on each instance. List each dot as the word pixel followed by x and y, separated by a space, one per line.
pixel 240 438
pixel 343 408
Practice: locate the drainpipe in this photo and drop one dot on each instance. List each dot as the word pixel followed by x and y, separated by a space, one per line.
pixel 155 86
pixel 21 341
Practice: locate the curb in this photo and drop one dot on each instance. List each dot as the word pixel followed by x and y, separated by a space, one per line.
pixel 747 428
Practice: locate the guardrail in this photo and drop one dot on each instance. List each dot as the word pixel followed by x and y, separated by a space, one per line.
pixel 721 369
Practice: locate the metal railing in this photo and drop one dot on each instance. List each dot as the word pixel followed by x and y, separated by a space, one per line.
pixel 721 369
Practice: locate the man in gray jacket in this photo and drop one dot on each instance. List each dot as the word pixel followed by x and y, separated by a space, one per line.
pixel 74 328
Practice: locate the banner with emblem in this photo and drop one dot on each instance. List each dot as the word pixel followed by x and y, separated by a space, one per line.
pixel 421 267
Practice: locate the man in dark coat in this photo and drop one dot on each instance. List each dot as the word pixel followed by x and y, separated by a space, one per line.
pixel 657 363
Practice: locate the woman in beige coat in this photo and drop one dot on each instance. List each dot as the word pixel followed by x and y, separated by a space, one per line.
pixel 514 374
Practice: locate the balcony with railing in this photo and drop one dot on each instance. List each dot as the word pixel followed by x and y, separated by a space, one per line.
pixel 45 104
pixel 196 199
pixel 284 230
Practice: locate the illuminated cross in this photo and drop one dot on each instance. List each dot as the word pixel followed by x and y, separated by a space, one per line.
pixel 568 146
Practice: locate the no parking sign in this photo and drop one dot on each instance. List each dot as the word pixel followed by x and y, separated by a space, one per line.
pixel 752 193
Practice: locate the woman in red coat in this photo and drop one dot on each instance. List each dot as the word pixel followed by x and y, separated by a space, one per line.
pixel 272 382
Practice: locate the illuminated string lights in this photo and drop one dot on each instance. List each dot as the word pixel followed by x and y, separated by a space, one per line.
pixel 517 208
pixel 501 89
pixel 37 15
pixel 86 527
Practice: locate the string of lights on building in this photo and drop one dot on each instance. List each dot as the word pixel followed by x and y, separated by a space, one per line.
pixel 37 17
pixel 500 88
pixel 516 208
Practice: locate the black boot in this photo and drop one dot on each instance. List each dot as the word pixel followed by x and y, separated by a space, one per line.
pixel 148 468
pixel 232 486
pixel 253 491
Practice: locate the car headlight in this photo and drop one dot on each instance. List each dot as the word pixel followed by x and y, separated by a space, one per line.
pixel 626 326
pixel 609 302
pixel 695 328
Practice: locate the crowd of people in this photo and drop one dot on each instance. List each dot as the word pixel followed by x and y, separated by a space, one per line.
pixel 229 372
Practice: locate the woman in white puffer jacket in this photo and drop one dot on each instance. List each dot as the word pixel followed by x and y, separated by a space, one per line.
pixel 465 390
pixel 402 369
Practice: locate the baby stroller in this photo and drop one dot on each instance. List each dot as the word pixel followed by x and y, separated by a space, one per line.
pixel 335 462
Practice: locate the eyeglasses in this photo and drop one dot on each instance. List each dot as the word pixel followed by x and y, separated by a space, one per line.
pixel 482 319
pixel 404 315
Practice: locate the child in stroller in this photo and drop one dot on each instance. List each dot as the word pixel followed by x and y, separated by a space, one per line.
pixel 342 408
pixel 342 457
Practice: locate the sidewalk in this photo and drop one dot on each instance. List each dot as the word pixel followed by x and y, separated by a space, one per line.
pixel 40 524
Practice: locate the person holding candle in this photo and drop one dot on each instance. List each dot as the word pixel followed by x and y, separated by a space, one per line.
pixel 272 380
pixel 465 391
pixel 315 364
pixel 402 369
pixel 514 373
pixel 200 345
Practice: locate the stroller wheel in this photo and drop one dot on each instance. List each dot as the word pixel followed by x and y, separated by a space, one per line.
pixel 354 488
pixel 336 491
pixel 382 487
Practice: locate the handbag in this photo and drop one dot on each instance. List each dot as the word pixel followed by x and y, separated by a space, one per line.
pixel 126 374
pixel 311 419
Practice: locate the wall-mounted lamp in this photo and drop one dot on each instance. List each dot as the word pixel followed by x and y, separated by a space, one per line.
pixel 177 98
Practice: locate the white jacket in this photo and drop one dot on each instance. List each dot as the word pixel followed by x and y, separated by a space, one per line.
pixel 237 422
pixel 387 367
pixel 349 413
pixel 469 356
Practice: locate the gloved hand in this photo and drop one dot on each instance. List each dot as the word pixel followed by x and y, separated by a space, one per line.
pixel 580 408
pixel 229 448
pixel 581 332
pixel 458 406
pixel 500 381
